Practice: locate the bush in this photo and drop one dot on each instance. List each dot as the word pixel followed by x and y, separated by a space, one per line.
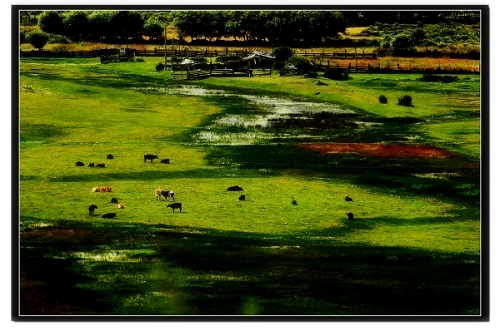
pixel 199 59
pixel 405 100
pixel 382 99
pixel 160 66
pixel 38 39
pixel 312 74
pixel 438 78
pixel 336 74
pixel 301 63
pixel 278 65
pixel 58 39
pixel 282 53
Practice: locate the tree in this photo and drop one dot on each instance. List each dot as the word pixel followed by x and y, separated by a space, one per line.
pixel 51 22
pixel 282 53
pixel 153 29
pixel 99 26
pixel 76 25
pixel 402 41
pixel 127 24
pixel 38 39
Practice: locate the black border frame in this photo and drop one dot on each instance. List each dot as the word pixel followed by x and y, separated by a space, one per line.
pixel 484 160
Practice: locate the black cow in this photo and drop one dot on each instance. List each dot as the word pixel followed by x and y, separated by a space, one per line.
pixel 350 216
pixel 80 164
pixel 235 188
pixel 91 165
pixel 109 156
pixel 166 161
pixel 91 209
pixel 109 215
pixel 347 198
pixel 168 194
pixel 100 165
pixel 241 197
pixel 114 200
pixel 150 157
pixel 175 205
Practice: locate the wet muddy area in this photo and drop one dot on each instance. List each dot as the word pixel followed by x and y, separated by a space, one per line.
pixel 256 119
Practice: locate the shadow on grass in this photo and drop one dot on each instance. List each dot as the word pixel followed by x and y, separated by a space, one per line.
pixel 203 271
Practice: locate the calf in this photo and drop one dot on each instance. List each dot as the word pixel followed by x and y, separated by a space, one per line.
pixel 235 188
pixel 350 216
pixel 120 206
pixel 91 209
pixel 241 197
pixel 347 198
pixel 80 164
pixel 100 165
pixel 96 189
pixel 109 156
pixel 109 215
pixel 166 161
pixel 106 189
pixel 175 205
pixel 114 200
pixel 150 157
pixel 91 165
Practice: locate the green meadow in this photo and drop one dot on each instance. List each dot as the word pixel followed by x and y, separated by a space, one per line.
pixel 413 247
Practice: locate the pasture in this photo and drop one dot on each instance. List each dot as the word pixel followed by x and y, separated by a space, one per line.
pixel 413 247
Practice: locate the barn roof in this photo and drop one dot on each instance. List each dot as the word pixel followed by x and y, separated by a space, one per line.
pixel 259 55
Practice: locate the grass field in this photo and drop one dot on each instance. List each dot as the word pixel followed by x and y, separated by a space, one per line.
pixel 413 247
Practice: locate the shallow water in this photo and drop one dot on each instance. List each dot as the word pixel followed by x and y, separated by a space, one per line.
pixel 261 111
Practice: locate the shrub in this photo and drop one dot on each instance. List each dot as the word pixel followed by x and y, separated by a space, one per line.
pixel 282 53
pixel 278 65
pixel 38 39
pixel 160 66
pixel 301 63
pixel 199 59
pixel 382 99
pixel 405 100
pixel 58 39
pixel 438 78
pixel 336 74
pixel 139 59
pixel 312 74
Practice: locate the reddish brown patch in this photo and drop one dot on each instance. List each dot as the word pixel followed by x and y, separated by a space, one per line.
pixel 382 150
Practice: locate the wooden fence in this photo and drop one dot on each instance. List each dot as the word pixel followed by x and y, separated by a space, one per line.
pixel 159 52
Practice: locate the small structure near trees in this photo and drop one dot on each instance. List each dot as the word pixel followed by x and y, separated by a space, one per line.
pixel 116 54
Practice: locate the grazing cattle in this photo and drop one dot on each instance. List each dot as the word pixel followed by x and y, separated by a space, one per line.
pixel 109 156
pixel 109 215
pixel 100 165
pixel 166 161
pixel 114 200
pixel 164 193
pixel 91 165
pixel 241 197
pixel 96 189
pixel 175 205
pixel 235 188
pixel 294 202
pixel 350 216
pixel 80 164
pixel 106 189
pixel 120 206
pixel 347 198
pixel 150 157
pixel 91 209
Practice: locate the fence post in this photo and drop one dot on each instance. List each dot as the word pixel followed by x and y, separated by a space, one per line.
pixel 345 53
pixel 356 67
pixel 368 66
pixel 349 68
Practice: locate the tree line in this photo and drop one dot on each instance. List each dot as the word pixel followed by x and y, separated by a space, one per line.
pixel 284 27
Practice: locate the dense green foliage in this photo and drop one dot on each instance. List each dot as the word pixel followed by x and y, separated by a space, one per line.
pixel 37 39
